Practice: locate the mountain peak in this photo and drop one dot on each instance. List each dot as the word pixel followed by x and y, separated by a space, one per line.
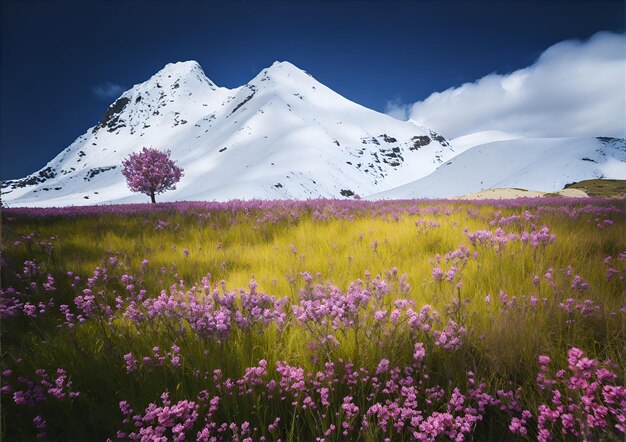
pixel 180 68
pixel 173 73
pixel 169 94
pixel 283 65
pixel 281 72
pixel 285 68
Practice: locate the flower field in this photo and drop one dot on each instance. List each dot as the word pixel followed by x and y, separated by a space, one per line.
pixel 316 320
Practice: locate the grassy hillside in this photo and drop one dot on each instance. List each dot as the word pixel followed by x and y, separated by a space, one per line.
pixel 601 188
pixel 332 319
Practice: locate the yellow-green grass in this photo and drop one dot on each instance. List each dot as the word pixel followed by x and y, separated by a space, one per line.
pixel 500 347
pixel 601 188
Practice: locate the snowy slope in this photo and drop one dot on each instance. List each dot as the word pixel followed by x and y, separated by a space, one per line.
pixel 282 135
pixel 545 164
pixel 465 142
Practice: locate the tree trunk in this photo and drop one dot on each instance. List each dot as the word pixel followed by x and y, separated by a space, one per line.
pixel 152 199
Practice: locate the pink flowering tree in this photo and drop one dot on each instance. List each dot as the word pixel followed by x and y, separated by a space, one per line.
pixel 151 171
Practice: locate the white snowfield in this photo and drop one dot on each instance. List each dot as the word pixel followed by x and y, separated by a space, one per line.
pixel 543 164
pixel 465 142
pixel 282 135
pixel 285 135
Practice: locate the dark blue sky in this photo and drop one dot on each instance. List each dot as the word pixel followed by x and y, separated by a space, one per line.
pixel 54 53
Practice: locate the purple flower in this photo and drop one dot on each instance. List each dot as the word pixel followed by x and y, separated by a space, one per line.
pixel 438 274
pixel 131 363
pixel 383 366
pixel 419 352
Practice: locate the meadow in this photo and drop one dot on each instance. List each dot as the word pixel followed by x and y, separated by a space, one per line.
pixel 316 320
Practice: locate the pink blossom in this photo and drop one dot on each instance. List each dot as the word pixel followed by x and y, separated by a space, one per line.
pixel 151 172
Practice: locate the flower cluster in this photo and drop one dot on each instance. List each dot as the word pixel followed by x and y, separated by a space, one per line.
pixel 157 359
pixel 45 387
pixel 403 401
pixel 207 312
pixel 584 401
pixel 166 422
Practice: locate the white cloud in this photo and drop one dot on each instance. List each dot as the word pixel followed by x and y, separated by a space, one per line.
pixel 397 109
pixel 574 89
pixel 108 90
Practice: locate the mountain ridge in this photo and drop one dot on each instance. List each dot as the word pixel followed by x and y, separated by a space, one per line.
pixel 544 164
pixel 281 135
pixel 285 135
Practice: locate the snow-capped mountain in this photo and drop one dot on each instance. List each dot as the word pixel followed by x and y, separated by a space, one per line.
pixel 544 164
pixel 282 135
